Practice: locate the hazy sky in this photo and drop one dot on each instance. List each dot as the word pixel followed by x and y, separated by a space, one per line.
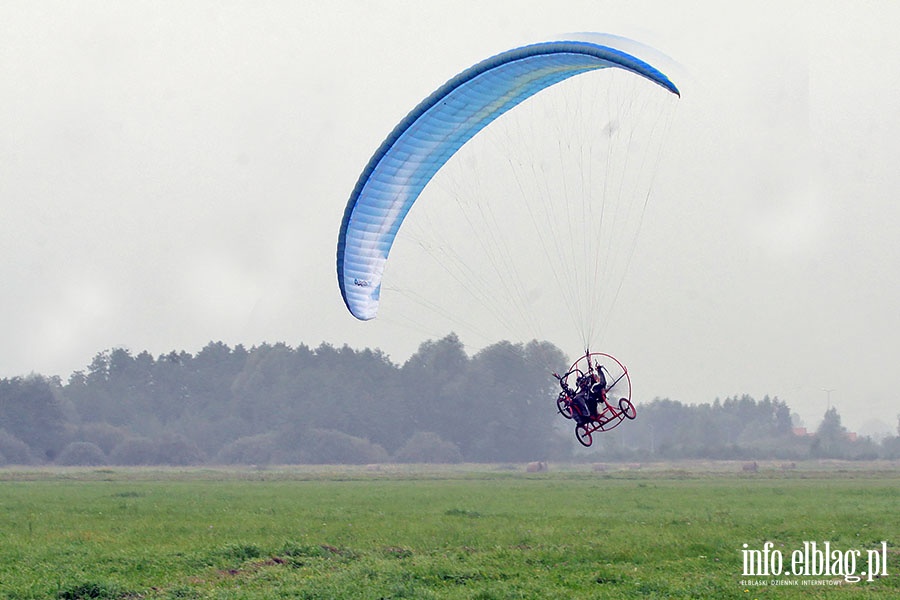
pixel 173 173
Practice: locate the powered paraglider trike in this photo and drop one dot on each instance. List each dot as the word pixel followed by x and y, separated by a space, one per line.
pixel 569 182
pixel 596 394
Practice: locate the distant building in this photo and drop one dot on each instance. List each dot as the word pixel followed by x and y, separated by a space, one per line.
pixel 802 432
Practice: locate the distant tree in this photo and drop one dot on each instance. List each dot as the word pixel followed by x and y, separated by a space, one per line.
pixel 357 392
pixel 263 394
pixel 830 440
pixel 31 409
pixel 277 403
pixel 209 378
pixel 513 413
pixel 437 394
pixel 102 395
pixel 831 427
pixel 890 447
pixel 736 428
pixel 171 386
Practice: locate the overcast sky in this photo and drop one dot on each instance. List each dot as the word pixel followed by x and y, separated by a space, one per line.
pixel 174 173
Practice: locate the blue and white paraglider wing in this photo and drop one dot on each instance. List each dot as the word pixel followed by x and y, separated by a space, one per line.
pixel 439 126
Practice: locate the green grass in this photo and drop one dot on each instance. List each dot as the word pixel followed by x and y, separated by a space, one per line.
pixel 345 533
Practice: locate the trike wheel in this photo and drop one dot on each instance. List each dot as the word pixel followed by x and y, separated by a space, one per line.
pixel 563 406
pixel 584 435
pixel 627 408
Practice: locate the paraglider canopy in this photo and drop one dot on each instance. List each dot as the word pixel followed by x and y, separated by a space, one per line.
pixel 439 126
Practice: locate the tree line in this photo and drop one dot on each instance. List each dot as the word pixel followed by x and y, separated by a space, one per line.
pixel 277 404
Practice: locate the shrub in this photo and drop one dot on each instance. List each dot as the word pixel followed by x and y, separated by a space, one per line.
pixel 134 451
pixel 327 446
pixel 428 447
pixel 84 454
pixel 104 435
pixel 177 450
pixel 248 450
pixel 169 449
pixel 15 451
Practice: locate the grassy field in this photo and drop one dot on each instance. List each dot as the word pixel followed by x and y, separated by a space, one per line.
pixel 463 532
